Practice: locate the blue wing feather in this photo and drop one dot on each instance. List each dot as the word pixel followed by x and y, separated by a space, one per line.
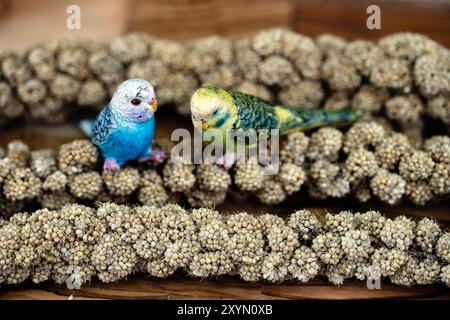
pixel 103 127
pixel 87 125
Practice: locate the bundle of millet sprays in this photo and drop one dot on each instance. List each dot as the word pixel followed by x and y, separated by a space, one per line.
pixel 367 161
pixel 78 243
pixel 52 80
pixel 403 78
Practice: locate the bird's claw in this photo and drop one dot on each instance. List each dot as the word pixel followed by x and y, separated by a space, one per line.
pixel 157 155
pixel 111 165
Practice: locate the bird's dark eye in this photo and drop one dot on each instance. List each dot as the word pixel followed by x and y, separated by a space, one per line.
pixel 215 112
pixel 136 102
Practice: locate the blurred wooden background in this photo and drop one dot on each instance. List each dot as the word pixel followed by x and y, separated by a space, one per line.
pixel 24 22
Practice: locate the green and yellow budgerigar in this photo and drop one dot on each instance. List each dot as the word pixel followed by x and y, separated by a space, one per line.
pixel 218 112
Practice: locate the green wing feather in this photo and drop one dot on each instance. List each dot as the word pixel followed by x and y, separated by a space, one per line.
pixel 253 112
pixel 257 113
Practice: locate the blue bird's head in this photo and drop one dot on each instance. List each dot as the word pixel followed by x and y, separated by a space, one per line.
pixel 135 100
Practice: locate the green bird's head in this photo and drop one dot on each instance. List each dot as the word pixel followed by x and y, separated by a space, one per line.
pixel 212 108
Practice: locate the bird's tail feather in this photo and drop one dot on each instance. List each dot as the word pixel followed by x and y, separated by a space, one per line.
pixel 340 116
pixel 87 126
pixel 312 118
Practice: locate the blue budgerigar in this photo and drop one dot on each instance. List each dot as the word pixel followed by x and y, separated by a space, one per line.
pixel 124 129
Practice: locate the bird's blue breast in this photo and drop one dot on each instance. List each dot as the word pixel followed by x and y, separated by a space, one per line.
pixel 129 140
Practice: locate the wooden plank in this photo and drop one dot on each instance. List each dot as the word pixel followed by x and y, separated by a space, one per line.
pixel 439 211
pixel 181 20
pixel 347 18
pixel 351 290
pixel 38 294
pixel 26 22
pixel 180 286
pixel 177 286
pixel 2 6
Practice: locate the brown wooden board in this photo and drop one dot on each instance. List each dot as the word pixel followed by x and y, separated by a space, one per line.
pixel 347 18
pixel 181 20
pixel 181 286
pixel 25 22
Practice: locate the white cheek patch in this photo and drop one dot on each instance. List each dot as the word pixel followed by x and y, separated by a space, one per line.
pixel 129 90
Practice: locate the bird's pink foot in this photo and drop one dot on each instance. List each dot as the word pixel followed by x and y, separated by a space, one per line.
pixel 111 165
pixel 227 160
pixel 157 155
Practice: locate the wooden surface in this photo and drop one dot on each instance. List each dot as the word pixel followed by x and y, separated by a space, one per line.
pixel 180 286
pixel 183 20
pixel 347 18
pixel 25 22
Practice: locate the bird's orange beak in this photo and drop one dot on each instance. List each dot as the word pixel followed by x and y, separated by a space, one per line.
pixel 155 105
pixel 201 126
